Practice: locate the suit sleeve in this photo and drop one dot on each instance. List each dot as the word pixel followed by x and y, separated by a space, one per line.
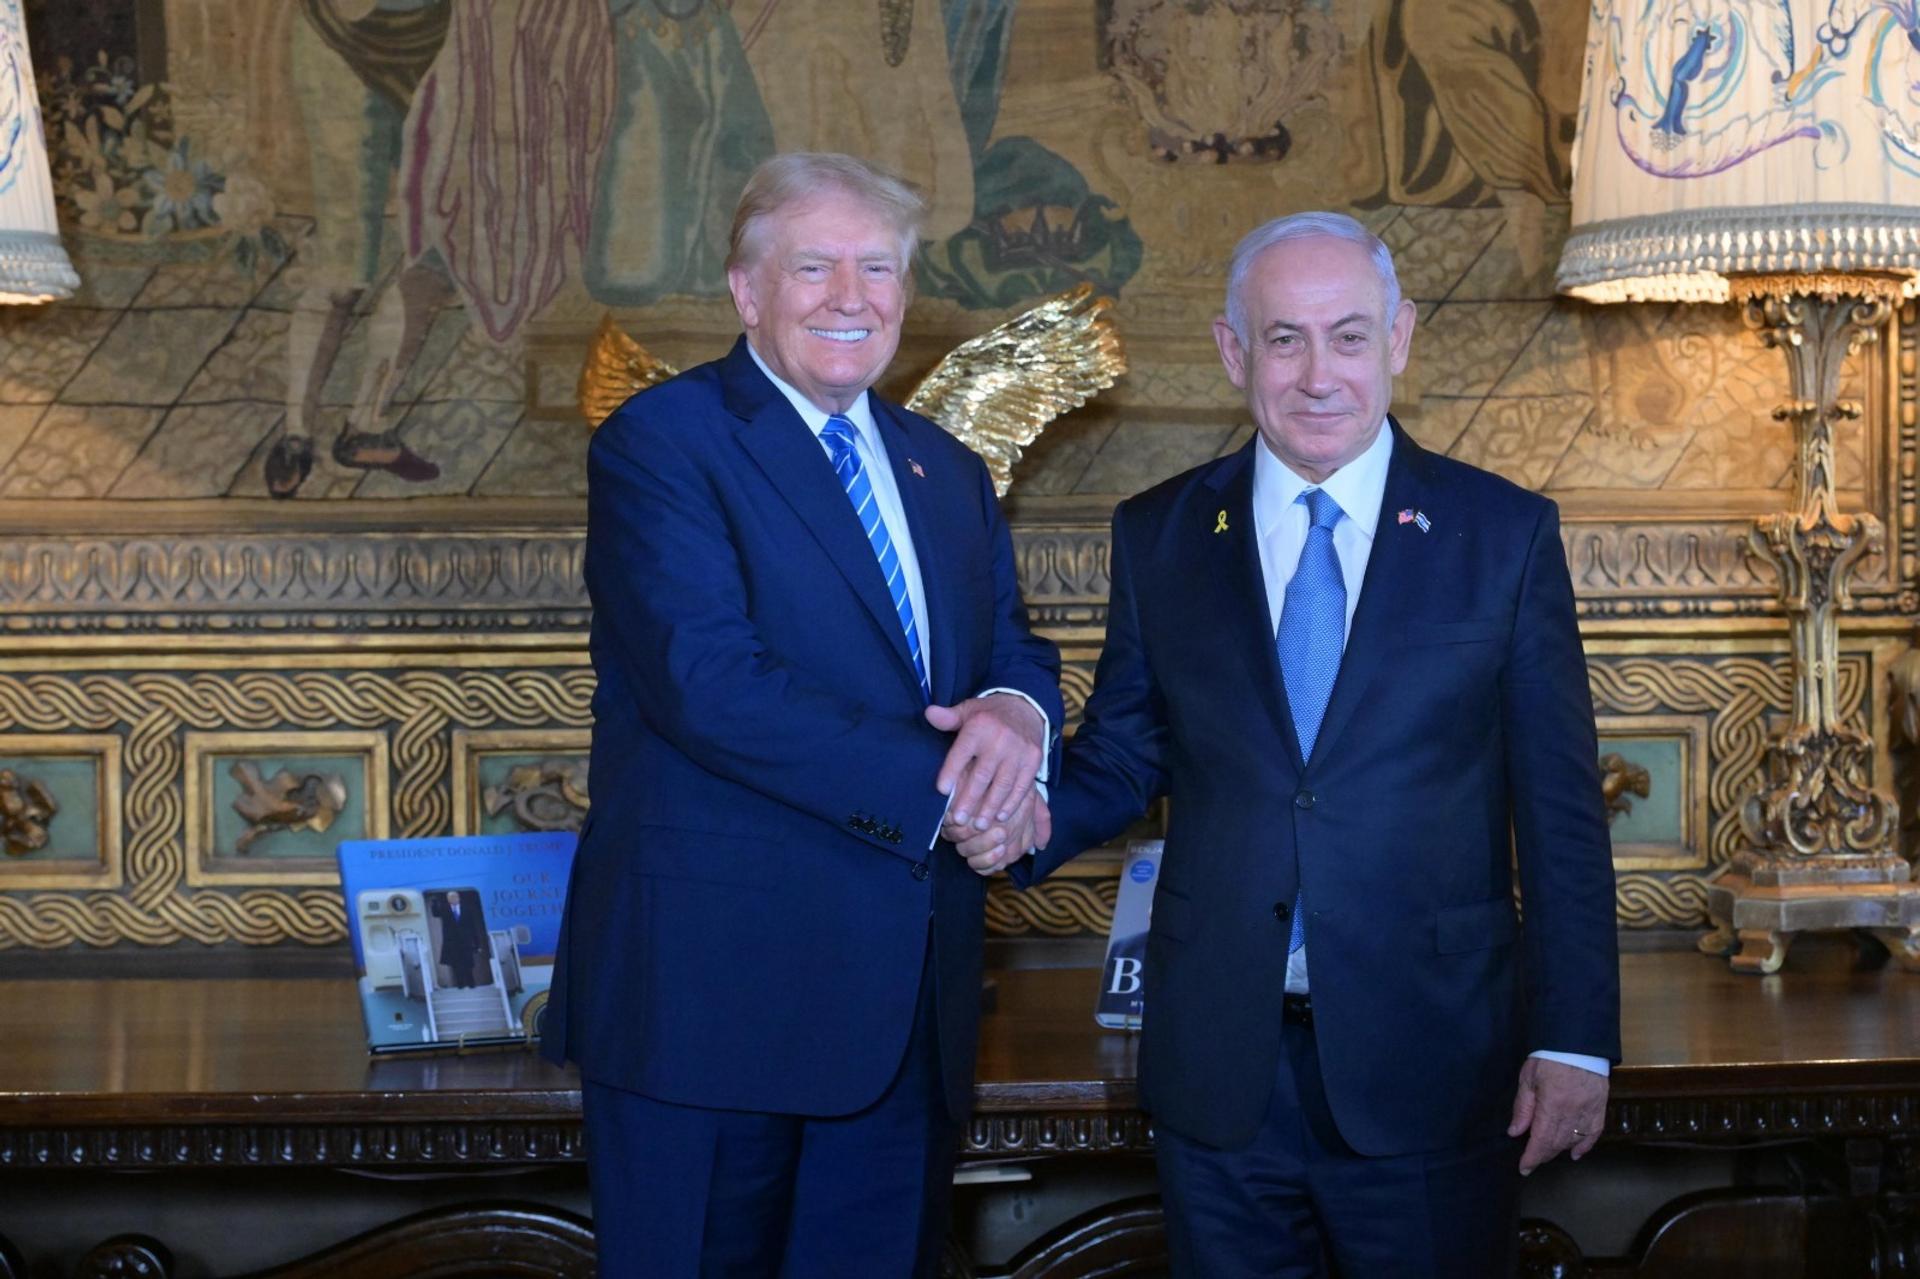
pixel 1022 661
pixel 1115 765
pixel 670 601
pixel 1559 820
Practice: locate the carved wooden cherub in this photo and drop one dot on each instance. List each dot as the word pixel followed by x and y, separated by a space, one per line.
pixel 26 806
pixel 1620 778
pixel 550 795
pixel 284 801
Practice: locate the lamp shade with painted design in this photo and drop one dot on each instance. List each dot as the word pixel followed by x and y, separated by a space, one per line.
pixel 1744 137
pixel 33 265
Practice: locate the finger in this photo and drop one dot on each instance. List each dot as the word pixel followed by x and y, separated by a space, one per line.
pixel 1042 823
pixel 1524 1100
pixel 973 788
pixel 954 767
pixel 1012 786
pixel 1540 1148
pixel 983 843
pixel 1586 1143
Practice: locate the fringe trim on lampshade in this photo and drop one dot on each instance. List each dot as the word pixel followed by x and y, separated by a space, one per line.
pixel 34 267
pixel 1687 257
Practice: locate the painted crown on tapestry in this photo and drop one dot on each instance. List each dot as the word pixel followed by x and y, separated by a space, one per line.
pixel 1720 140
pixel 33 265
pixel 1769 154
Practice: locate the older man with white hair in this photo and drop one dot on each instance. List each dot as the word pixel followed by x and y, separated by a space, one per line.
pixel 1353 666
pixel 811 652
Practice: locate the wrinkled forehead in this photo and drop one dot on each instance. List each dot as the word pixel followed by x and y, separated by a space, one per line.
pixel 832 223
pixel 1317 278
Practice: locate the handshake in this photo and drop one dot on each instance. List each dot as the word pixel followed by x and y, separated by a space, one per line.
pixel 995 812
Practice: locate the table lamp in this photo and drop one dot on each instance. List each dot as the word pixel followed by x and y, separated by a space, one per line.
pixel 1769 156
pixel 33 265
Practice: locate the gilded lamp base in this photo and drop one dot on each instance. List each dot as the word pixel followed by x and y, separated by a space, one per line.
pixel 1761 904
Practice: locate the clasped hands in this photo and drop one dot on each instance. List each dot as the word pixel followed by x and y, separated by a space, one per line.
pixel 994 811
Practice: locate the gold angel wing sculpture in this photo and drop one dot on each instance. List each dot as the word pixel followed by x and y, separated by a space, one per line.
pixel 998 392
pixel 615 368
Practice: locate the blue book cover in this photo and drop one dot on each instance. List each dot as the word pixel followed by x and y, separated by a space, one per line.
pixel 1122 996
pixel 454 938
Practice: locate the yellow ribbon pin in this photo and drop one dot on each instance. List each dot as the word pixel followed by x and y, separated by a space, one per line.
pixel 1220 523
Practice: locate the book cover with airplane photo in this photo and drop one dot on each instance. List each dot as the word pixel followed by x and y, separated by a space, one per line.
pixel 453 938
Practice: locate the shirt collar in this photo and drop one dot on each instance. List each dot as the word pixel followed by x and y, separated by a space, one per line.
pixel 1359 487
pixel 860 413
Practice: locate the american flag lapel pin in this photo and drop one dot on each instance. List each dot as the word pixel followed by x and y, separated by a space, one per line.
pixel 915 468
pixel 1416 518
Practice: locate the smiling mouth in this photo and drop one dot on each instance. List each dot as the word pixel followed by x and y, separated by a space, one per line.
pixel 842 335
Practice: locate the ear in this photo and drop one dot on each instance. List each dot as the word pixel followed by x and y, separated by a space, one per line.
pixel 1232 354
pixel 740 284
pixel 1400 336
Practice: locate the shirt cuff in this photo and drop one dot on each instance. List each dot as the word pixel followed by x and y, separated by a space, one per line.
pixel 1598 1065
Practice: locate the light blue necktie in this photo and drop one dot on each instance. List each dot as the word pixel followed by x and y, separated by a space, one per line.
pixel 839 436
pixel 1312 637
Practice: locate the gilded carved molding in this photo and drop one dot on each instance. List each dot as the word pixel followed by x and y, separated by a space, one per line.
pixel 158 710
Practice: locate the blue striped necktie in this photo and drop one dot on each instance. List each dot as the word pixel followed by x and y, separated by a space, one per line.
pixel 1312 637
pixel 839 434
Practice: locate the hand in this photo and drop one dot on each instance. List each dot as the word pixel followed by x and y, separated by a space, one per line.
pixel 1562 1106
pixel 1001 845
pixel 997 747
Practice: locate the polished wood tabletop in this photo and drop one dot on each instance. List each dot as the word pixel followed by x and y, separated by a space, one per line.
pixel 213 1051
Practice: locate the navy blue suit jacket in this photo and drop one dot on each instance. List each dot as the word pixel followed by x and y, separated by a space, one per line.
pixel 749 910
pixel 1458 742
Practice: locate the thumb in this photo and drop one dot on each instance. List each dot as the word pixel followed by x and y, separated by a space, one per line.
pixel 945 718
pixel 1524 1099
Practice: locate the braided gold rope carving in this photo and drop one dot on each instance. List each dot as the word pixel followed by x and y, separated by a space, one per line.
pixel 418 708
pixel 1736 693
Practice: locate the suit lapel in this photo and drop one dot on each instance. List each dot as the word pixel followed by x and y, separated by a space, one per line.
pixel 1394 569
pixel 793 461
pixel 1240 592
pixel 925 518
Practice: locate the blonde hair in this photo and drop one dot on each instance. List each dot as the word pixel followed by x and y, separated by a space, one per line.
pixel 799 175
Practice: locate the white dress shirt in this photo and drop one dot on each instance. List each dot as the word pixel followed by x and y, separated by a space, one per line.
pixel 1280 522
pixel 872 447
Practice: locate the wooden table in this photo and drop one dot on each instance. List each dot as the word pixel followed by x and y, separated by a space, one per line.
pixel 271 1074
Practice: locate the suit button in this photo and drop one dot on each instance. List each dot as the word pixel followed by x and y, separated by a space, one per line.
pixel 920 870
pixel 854 821
pixel 894 837
pixel 1281 911
pixel 1303 799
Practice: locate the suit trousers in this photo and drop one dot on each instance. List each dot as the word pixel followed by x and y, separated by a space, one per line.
pixel 1299 1203
pixel 684 1192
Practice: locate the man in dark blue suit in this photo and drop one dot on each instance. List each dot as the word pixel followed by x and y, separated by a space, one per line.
pixel 1354 667
pixel 811 649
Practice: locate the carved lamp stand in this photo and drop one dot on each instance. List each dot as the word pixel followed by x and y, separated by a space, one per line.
pixel 1717 161
pixel 1821 852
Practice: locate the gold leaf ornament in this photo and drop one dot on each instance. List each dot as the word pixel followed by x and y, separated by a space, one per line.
pixel 616 367
pixel 998 392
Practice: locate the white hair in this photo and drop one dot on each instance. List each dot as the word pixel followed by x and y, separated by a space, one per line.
pixel 1300 226
pixel 797 176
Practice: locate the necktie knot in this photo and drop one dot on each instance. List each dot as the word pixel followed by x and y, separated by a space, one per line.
pixel 839 430
pixel 1321 508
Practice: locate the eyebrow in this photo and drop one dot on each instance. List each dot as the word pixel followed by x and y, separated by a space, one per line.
pixel 829 255
pixel 1351 318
